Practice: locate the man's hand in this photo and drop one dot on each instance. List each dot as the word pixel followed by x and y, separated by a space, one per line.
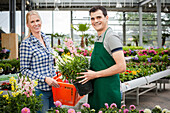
pixel 86 76
pixel 52 82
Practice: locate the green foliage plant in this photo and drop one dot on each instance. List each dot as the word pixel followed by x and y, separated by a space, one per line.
pixel 22 95
pixel 81 28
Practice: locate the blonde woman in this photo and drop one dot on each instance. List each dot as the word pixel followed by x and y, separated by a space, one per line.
pixel 36 60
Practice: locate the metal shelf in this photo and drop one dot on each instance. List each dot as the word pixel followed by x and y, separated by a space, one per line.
pixel 144 83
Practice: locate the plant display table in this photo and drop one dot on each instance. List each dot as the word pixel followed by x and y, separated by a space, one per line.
pixel 143 82
pixel 5 78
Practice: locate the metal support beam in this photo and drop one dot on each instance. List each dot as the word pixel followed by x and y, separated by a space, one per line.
pixel 71 23
pixel 52 38
pixel 22 19
pixel 144 2
pixel 124 29
pixel 159 23
pixel 12 10
pixel 140 27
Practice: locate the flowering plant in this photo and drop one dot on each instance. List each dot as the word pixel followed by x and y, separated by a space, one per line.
pixel 107 109
pixel 5 86
pixel 4 53
pixel 22 95
pixel 60 109
pixel 113 109
pixel 84 52
pixel 69 66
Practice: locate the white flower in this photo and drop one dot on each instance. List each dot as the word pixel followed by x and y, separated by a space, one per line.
pixel 147 111
pixel 164 110
pixel 168 111
pixel 158 107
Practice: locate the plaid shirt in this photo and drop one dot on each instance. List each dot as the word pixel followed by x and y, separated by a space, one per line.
pixel 36 60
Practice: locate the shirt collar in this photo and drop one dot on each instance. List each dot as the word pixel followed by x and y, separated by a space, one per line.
pixel 34 39
pixel 101 36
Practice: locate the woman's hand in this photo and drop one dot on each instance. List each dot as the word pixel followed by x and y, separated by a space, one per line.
pixel 89 75
pixel 52 82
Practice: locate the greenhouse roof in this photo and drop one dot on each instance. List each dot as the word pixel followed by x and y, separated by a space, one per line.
pixel 111 5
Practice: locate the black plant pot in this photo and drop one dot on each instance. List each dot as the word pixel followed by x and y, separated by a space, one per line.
pixel 84 89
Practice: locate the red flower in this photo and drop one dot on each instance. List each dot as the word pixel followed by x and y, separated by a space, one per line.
pixel 126 73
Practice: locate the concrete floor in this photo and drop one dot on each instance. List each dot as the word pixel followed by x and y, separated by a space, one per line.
pixel 150 99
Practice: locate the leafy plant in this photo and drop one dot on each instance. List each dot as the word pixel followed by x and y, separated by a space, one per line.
pixel 58 36
pixel 22 95
pixel 70 66
pixel 82 28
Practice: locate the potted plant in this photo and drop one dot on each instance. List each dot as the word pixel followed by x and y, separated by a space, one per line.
pixel 5 86
pixel 82 28
pixel 69 66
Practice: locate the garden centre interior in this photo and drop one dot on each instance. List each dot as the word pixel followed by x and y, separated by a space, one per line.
pixel 142 25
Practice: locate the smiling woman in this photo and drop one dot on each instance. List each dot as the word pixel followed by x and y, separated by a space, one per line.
pixel 36 60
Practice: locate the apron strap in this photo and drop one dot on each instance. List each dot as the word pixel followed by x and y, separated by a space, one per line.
pixel 105 34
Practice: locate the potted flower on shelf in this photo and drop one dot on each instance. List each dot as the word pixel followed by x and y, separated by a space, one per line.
pixel 69 66
pixel 5 86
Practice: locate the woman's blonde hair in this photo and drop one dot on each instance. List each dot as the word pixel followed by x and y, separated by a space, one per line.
pixel 32 12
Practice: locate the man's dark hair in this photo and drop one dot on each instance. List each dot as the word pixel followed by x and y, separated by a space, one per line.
pixel 96 8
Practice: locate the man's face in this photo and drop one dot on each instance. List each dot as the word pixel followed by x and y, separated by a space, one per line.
pixel 99 21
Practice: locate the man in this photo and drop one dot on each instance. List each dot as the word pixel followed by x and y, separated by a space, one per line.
pixel 107 61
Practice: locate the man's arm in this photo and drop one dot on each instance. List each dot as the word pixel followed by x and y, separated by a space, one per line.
pixel 119 67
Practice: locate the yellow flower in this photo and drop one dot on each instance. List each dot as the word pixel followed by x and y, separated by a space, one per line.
pixel 6 96
pixel 134 72
pixel 12 87
pixel 1 92
pixel 68 53
pixel 138 71
pixel 14 94
pixel 92 110
pixel 62 54
pixel 12 80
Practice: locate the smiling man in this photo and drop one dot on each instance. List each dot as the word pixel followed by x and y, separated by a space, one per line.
pixel 107 61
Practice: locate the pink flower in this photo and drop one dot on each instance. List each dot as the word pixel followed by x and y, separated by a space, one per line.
pixel 58 104
pixel 78 112
pixel 71 111
pixel 123 106
pixel 132 107
pixel 86 105
pixel 25 110
pixel 100 112
pixel 107 106
pixel 141 111
pixel 60 49
pixel 125 111
pixel 57 111
pixel 113 105
pixel 120 110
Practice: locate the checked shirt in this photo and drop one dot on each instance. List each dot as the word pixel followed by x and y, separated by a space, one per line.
pixel 36 60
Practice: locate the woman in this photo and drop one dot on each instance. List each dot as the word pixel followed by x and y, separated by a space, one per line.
pixel 36 60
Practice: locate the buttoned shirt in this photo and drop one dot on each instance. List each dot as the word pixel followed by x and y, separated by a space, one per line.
pixel 36 60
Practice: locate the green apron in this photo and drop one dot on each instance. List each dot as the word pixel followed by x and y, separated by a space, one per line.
pixel 106 89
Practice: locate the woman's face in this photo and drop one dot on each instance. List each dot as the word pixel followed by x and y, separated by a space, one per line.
pixel 34 23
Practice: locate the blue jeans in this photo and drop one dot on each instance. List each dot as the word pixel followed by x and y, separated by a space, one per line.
pixel 47 100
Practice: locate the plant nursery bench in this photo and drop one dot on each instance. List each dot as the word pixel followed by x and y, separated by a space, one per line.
pixel 144 83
